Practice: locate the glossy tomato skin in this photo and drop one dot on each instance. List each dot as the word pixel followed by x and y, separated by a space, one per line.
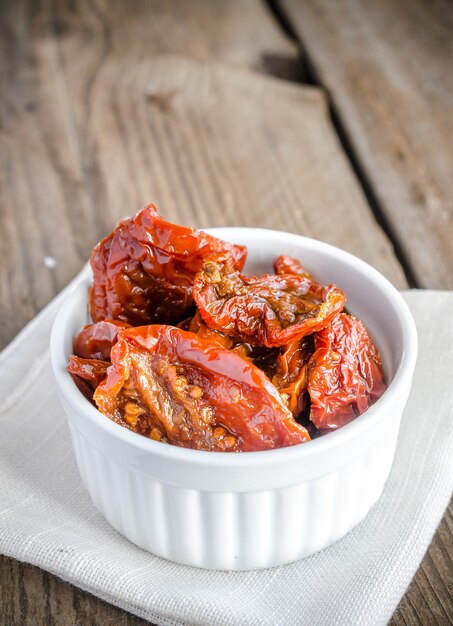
pixel 190 392
pixel 143 271
pixel 288 265
pixel 95 341
pixel 93 371
pixel 198 326
pixel 345 373
pixel 291 373
pixel 226 362
pixel 266 310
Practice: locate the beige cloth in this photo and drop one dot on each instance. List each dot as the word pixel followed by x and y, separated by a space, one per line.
pixel 46 517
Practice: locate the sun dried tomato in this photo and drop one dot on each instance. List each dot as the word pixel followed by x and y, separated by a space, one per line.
pixel 143 271
pixel 198 326
pixel 262 357
pixel 345 373
pixel 87 373
pixel 287 265
pixel 265 310
pixel 171 385
pixel 291 373
pixel 96 340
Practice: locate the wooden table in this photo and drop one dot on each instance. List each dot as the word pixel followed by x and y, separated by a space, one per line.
pixel 333 120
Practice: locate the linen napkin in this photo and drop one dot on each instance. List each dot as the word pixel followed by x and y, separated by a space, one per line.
pixel 47 519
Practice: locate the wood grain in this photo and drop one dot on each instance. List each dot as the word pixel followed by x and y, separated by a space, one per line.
pixel 62 68
pixel 387 68
pixel 32 597
pixel 94 125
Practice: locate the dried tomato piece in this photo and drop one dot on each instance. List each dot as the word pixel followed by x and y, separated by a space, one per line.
pixel 291 373
pixel 345 373
pixel 263 310
pixel 87 373
pixel 143 271
pixel 198 326
pixel 262 357
pixel 287 265
pixel 96 340
pixel 171 385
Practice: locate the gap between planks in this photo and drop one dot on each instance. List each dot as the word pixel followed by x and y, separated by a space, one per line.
pixel 308 75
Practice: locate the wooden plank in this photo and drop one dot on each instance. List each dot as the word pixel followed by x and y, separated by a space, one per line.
pixel 60 63
pixel 84 143
pixel 216 145
pixel 387 67
pixel 30 597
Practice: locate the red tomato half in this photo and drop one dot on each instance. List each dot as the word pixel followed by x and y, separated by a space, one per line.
pixel 172 385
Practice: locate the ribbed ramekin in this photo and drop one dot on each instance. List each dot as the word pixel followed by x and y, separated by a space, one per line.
pixel 234 511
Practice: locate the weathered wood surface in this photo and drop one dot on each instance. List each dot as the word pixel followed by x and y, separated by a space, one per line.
pixel 32 597
pixel 94 125
pixel 95 121
pixel 64 67
pixel 388 69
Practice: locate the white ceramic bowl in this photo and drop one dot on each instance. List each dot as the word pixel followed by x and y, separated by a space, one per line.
pixel 234 511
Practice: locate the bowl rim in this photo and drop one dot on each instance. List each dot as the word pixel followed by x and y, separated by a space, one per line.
pixel 338 438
